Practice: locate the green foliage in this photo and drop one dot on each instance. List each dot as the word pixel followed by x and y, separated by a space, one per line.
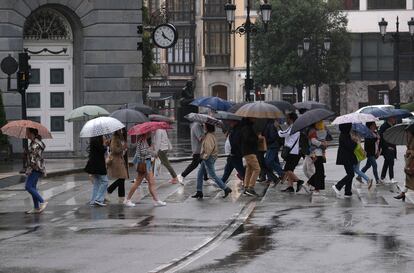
pixel 3 138
pixel 148 66
pixel 275 58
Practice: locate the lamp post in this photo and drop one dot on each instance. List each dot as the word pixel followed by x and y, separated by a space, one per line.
pixel 396 40
pixel 319 51
pixel 247 28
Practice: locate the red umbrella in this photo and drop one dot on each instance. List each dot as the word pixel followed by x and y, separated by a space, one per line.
pixel 147 127
pixel 18 128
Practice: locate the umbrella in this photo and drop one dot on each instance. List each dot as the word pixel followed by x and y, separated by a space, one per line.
pixel 259 110
pixel 155 117
pixel 355 118
pixel 387 113
pixel 284 106
pixel 309 105
pixel 362 130
pixel 101 126
pixel 400 113
pixel 86 112
pixel 202 118
pixel 147 127
pixel 17 128
pixel 226 116
pixel 214 103
pixel 309 118
pixel 397 134
pixel 237 106
pixel 408 106
pixel 145 109
pixel 129 116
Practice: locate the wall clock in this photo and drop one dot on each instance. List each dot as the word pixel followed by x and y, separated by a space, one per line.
pixel 165 35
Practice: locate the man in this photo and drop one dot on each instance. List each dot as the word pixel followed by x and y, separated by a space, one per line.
pixel 235 158
pixel 272 158
pixel 388 150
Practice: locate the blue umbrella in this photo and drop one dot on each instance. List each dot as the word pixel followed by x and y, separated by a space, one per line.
pixel 387 113
pixel 214 103
pixel 362 130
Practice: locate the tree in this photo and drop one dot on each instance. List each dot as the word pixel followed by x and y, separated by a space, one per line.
pixel 275 57
pixel 3 138
pixel 148 66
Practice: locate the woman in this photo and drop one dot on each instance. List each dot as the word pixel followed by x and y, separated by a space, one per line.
pixel 373 151
pixel 409 163
pixel 347 158
pixel 116 163
pixel 96 168
pixel 162 145
pixel 209 152
pixel 35 169
pixel 143 155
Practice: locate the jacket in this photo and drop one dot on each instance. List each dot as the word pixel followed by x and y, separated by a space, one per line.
pixel 235 141
pixel 209 147
pixel 161 141
pixel 35 157
pixel 409 157
pixel 116 164
pixel 143 151
pixel 271 135
pixel 96 162
pixel 249 140
pixel 388 150
pixel 345 155
pixel 370 146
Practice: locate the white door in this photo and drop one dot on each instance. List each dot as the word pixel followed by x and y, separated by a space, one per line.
pixel 49 99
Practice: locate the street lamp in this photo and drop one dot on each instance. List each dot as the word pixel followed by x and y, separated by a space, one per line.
pixel 396 40
pixel 319 51
pixel 247 28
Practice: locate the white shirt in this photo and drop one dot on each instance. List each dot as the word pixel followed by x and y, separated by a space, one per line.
pixel 290 140
pixel 161 141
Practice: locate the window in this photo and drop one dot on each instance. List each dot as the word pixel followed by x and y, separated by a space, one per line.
pixel 157 55
pixel 56 76
pixel 356 55
pixel 57 100
pixel 35 119
pixel 214 8
pixel 33 100
pixel 181 10
pixel 387 4
pixel 181 56
pixel 350 4
pixel 35 76
pixel 57 124
pixel 216 43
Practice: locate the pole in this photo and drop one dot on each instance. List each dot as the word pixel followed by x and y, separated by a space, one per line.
pixel 397 65
pixel 24 141
pixel 248 29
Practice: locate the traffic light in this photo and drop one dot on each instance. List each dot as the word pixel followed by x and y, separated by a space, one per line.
pixel 24 73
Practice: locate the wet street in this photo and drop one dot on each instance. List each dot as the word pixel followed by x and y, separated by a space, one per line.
pixel 279 232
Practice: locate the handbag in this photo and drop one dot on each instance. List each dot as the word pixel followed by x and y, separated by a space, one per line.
pixel 359 153
pixel 142 167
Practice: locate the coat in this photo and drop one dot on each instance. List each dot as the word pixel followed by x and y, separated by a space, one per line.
pixel 115 163
pixel 409 158
pixel 96 162
pixel 249 140
pixel 209 147
pixel 388 150
pixel 345 155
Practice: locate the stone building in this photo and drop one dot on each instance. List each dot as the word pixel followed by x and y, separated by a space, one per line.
pixel 83 52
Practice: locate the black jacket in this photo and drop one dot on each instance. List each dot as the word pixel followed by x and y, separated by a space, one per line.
pixel 369 146
pixel 96 163
pixel 235 141
pixel 271 135
pixel 347 146
pixel 388 150
pixel 249 140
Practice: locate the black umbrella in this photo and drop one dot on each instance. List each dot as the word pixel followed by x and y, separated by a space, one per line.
pixel 309 118
pixel 237 106
pixel 284 106
pixel 129 116
pixel 145 109
pixel 309 105
pixel 397 134
pixel 155 117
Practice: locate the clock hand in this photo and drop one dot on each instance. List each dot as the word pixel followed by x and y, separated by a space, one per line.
pixel 163 35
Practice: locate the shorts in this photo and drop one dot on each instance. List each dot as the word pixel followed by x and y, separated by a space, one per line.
pixel 291 162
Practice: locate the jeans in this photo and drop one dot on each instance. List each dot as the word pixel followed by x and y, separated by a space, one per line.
pixel 194 163
pixel 252 171
pixel 162 155
pixel 207 165
pixel 272 161
pixel 120 184
pixel 347 180
pixel 100 183
pixel 31 182
pixel 371 161
pixel 233 162
pixel 360 173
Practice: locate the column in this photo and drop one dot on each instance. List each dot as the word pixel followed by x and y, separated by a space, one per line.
pixel 410 4
pixel 363 4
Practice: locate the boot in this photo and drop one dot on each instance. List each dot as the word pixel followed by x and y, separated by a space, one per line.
pixel 198 195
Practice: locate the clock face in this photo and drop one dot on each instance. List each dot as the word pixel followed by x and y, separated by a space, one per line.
pixel 165 35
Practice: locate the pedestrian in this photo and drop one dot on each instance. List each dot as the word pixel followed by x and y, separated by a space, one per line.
pixel 116 164
pixel 317 135
pixel 272 155
pixel 371 147
pixel 261 152
pixel 360 155
pixel 96 168
pixel 208 155
pixel 142 159
pixel 249 148
pixel 162 145
pixel 235 158
pixel 388 151
pixel 409 164
pixel 35 169
pixel 291 154
pixel 347 158
pixel 197 135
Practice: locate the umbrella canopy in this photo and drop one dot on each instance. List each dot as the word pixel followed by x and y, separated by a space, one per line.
pixel 387 113
pixel 362 130
pixel 17 128
pixel 142 129
pixel 309 105
pixel 86 112
pixel 145 109
pixel 202 118
pixel 101 126
pixel 355 118
pixel 397 134
pixel 237 106
pixel 408 106
pixel 259 110
pixel 309 118
pixel 226 116
pixel 129 116
pixel 155 117
pixel 284 106
pixel 215 103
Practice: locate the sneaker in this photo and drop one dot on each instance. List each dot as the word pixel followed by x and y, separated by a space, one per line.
pixel 306 187
pixel 251 192
pixel 370 182
pixel 128 203
pixel 159 203
pixel 121 200
pixel 337 192
pixel 42 206
pixel 393 181
pixel 180 179
pixel 359 179
pixel 33 211
pixel 107 201
pixel 173 181
pixel 288 189
pixel 101 204
pixel 299 185
pixel 227 191
pixel 348 196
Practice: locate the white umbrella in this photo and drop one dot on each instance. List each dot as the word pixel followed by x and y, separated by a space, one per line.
pixel 101 126
pixel 355 118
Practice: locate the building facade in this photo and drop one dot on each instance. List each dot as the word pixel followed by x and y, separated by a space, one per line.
pixel 83 52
